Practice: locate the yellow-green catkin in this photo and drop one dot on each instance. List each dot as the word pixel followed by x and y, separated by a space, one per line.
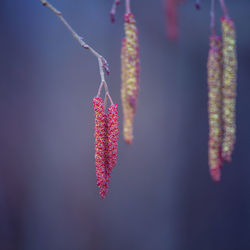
pixel 229 86
pixel 129 75
pixel 214 79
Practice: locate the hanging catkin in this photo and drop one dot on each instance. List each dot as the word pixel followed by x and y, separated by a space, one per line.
pixel 106 143
pixel 229 86
pixel 214 74
pixel 130 75
pixel 113 132
pixel 100 145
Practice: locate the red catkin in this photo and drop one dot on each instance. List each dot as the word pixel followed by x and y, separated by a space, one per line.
pixel 100 145
pixel 113 132
pixel 106 143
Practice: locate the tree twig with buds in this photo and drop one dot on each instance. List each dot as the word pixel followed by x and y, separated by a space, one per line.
pixel 103 65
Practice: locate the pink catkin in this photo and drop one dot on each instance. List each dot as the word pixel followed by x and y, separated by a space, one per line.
pixel 106 143
pixel 100 145
pixel 113 132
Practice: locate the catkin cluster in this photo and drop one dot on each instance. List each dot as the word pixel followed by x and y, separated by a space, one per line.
pixel 222 74
pixel 130 75
pixel 106 142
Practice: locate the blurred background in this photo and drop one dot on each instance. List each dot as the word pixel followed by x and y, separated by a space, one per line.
pixel 161 195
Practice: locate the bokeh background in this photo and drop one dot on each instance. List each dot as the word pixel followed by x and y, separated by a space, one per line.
pixel 161 197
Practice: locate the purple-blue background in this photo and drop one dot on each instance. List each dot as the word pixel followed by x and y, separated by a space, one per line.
pixel 161 197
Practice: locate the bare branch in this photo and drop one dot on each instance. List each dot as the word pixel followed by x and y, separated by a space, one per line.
pixel 103 65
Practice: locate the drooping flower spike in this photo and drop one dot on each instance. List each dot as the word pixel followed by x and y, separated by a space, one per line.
pixel 214 80
pixel 222 68
pixel 229 86
pixel 113 132
pixel 100 145
pixel 106 140
pixel 130 75
pixel 214 74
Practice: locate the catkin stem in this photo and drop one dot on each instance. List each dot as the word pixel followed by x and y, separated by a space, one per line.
pixel 212 14
pixel 223 7
pixel 128 10
pixel 113 10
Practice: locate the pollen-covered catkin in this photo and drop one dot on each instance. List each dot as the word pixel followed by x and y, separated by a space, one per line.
pixel 113 132
pixel 214 75
pixel 229 86
pixel 101 144
pixel 130 75
pixel 106 143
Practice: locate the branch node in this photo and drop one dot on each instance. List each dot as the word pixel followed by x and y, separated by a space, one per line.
pixel 85 46
pixel 105 65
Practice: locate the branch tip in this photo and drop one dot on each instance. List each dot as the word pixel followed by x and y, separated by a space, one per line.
pixel 112 17
pixel 197 6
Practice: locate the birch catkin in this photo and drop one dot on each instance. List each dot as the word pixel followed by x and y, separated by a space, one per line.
pixel 229 86
pixel 106 143
pixel 130 75
pixel 113 132
pixel 214 74
pixel 100 145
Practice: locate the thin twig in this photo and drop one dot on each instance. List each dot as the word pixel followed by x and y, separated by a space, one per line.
pixel 224 8
pixel 103 65
pixel 127 4
pixel 113 10
pixel 212 14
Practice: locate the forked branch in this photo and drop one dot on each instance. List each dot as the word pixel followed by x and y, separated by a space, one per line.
pixel 103 65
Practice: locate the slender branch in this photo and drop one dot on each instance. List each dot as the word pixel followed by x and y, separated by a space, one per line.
pixel 223 7
pixel 212 14
pixel 127 4
pixel 113 10
pixel 103 65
